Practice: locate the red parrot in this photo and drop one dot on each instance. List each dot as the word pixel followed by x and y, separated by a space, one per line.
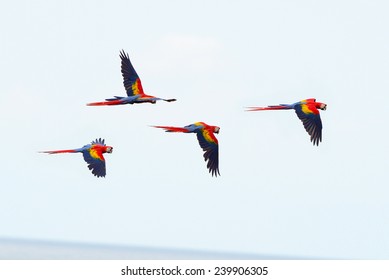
pixel 207 141
pixel 93 155
pixel 133 87
pixel 307 111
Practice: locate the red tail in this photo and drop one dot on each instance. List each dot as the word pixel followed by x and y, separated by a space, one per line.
pixel 276 107
pixel 59 151
pixel 171 128
pixel 113 102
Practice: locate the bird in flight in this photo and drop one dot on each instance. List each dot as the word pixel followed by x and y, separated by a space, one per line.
pixel 307 111
pixel 133 87
pixel 207 141
pixel 93 155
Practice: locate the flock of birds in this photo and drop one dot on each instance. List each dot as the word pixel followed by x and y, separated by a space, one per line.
pixel 306 110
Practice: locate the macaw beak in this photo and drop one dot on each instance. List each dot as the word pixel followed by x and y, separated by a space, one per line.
pixel 109 149
pixel 216 130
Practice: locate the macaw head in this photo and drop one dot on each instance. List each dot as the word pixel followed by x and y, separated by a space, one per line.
pixel 322 106
pixel 108 149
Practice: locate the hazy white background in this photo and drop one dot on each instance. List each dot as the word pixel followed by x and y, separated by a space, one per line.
pixel 277 193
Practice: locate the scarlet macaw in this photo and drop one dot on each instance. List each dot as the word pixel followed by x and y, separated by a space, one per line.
pixel 93 155
pixel 133 87
pixel 308 113
pixel 207 141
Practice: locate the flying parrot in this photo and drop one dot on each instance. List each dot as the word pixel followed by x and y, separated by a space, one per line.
pixel 93 155
pixel 207 141
pixel 133 87
pixel 307 111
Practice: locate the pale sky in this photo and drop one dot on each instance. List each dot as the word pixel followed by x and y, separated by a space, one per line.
pixel 277 193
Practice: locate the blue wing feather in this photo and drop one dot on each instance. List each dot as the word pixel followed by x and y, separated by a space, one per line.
pixel 99 141
pixel 312 124
pixel 97 166
pixel 130 77
pixel 211 154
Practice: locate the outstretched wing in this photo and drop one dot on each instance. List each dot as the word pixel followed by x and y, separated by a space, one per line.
pixel 95 159
pixel 210 146
pixel 310 117
pixel 131 80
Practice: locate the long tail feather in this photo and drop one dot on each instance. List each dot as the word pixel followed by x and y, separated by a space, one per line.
pixel 112 102
pixel 171 128
pixel 272 107
pixel 59 151
pixel 170 100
